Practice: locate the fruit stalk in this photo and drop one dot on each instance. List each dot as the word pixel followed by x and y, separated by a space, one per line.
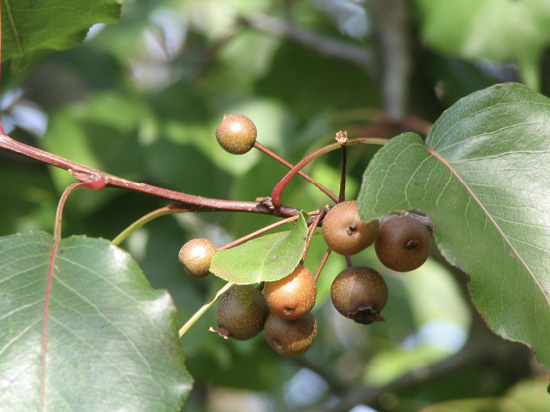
pixel 279 187
pixel 278 158
pixel 203 310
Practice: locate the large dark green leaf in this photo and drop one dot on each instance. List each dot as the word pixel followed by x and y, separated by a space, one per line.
pixel 483 176
pixel 266 258
pixel 30 25
pixel 111 341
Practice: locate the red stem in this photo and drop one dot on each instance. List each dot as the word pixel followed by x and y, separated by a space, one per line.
pixel 259 232
pixel 278 158
pixel 279 187
pixel 311 232
pixel 322 264
pixel 342 195
pixel 191 202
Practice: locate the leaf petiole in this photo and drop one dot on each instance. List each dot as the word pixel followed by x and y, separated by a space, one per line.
pixel 203 309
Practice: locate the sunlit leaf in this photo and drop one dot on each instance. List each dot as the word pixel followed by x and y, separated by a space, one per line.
pixel 483 177
pixel 265 258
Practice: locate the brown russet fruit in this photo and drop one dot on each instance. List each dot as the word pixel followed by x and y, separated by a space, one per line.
pixel 290 337
pixel 196 255
pixel 236 133
pixel 292 296
pixel 403 243
pixel 241 312
pixel 360 293
pixel 344 232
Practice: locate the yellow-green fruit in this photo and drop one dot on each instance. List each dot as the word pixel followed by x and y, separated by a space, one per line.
pixel 343 230
pixel 195 256
pixel 292 296
pixel 290 337
pixel 236 133
pixel 241 312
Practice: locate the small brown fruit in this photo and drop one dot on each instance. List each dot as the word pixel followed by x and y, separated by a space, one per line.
pixel 195 256
pixel 290 337
pixel 236 133
pixel 403 243
pixel 360 293
pixel 344 232
pixel 292 296
pixel 241 312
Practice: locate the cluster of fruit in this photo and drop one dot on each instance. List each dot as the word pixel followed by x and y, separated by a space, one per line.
pixel 282 308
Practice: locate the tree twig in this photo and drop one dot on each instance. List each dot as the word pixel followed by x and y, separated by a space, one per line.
pixel 189 202
pixel 321 44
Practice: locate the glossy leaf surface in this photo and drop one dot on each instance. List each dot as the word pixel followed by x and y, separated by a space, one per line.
pixel 111 341
pixel 483 177
pixel 266 258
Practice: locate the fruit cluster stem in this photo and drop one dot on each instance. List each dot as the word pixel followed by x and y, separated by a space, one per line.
pixel 278 158
pixel 277 192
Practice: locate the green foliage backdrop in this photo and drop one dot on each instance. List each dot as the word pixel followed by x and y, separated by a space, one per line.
pixel 141 96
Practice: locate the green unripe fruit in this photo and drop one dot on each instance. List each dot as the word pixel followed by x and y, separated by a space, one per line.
pixel 292 296
pixel 403 243
pixel 359 293
pixel 195 256
pixel 236 133
pixel 344 232
pixel 290 337
pixel 241 312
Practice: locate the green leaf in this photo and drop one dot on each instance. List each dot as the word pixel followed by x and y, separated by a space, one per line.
pixel 29 26
pixel 483 177
pixel 266 258
pixel 498 30
pixel 111 341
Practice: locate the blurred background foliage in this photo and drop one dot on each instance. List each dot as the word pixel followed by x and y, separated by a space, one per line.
pixel 142 98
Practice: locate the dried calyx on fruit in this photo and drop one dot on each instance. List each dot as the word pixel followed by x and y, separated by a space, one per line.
pixel 241 312
pixel 360 293
pixel 236 133
pixel 344 232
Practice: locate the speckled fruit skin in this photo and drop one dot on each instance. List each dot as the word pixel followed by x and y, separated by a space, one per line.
pixel 359 293
pixel 241 312
pixel 403 243
pixel 292 296
pixel 290 337
pixel 196 255
pixel 344 232
pixel 236 133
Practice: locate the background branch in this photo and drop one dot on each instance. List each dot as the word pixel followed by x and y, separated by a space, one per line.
pixel 322 44
pixel 390 19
